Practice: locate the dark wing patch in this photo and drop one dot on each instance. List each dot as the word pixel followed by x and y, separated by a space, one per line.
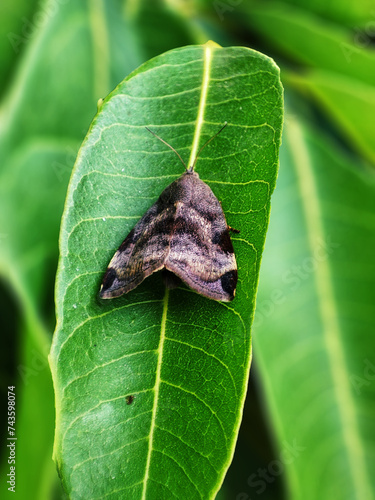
pixel 206 265
pixel 142 252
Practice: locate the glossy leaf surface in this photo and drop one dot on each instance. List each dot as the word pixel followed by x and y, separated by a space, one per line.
pixel 314 319
pixel 150 386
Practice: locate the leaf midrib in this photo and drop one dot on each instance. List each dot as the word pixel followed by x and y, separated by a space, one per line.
pixel 101 51
pixel 156 390
pixel 198 129
pixel 328 313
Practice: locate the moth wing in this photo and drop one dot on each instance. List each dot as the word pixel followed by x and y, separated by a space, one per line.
pixel 143 252
pixel 201 252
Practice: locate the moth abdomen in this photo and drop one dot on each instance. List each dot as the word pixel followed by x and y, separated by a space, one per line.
pixel 170 280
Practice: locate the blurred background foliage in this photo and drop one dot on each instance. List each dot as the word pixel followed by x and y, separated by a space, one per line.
pixel 307 430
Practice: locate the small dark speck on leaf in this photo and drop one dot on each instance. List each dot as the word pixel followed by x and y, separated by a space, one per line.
pixel 129 400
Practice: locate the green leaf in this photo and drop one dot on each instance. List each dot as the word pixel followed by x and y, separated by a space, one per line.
pixel 341 11
pixel 34 410
pixel 37 149
pixel 349 103
pixel 173 29
pixel 312 42
pixel 338 77
pixel 51 101
pixel 185 359
pixel 16 30
pixel 315 317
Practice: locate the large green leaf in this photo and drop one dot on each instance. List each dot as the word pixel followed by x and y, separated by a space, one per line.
pixel 348 102
pixel 16 29
pixel 339 76
pixel 313 42
pixel 38 148
pixel 184 358
pixel 74 54
pixel 342 11
pixel 314 322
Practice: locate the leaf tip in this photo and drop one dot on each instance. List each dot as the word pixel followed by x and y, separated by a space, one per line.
pixel 212 45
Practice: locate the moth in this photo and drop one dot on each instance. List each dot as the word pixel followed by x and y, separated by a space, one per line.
pixel 185 234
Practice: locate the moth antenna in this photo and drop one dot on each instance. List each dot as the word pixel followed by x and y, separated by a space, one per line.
pixel 171 147
pixel 205 144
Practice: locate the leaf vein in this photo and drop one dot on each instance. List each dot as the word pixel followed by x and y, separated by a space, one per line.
pixel 84 414
pixel 162 452
pixel 209 355
pixel 97 367
pixel 92 318
pixel 189 446
pixel 202 401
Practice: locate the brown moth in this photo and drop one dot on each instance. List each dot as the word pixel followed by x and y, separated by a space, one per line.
pixel 185 234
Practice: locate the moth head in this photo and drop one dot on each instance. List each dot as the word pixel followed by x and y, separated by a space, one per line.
pixel 190 169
